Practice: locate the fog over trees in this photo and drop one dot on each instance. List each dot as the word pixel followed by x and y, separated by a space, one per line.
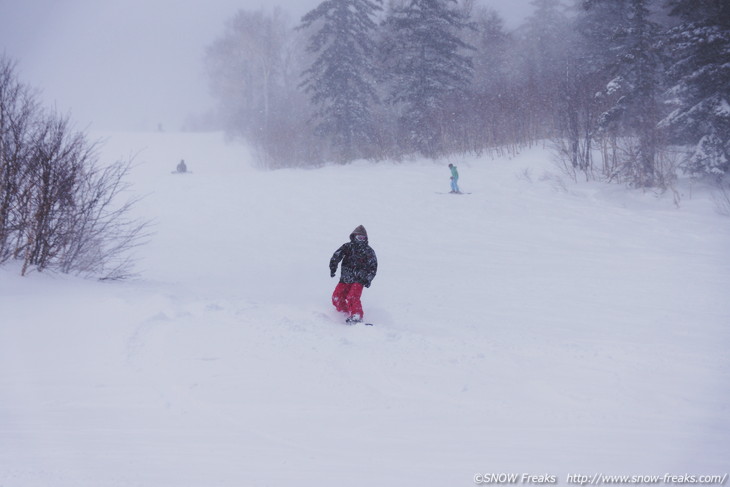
pixel 628 90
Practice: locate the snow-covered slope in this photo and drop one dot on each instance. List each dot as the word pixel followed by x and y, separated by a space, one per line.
pixel 527 327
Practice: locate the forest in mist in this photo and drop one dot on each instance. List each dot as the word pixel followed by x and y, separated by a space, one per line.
pixel 629 90
pixel 634 92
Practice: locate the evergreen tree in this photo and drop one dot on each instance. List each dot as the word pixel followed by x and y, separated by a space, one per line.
pixel 426 64
pixel 340 80
pixel 490 40
pixel 546 49
pixel 636 86
pixel 492 107
pixel 700 83
pixel 587 71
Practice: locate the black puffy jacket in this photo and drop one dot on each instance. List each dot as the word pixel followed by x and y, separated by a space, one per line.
pixel 359 263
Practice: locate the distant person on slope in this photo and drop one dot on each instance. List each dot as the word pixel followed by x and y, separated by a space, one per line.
pixel 181 166
pixel 454 179
pixel 359 265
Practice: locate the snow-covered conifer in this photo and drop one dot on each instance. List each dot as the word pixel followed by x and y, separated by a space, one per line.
pixel 635 65
pixel 699 84
pixel 546 48
pixel 426 62
pixel 340 81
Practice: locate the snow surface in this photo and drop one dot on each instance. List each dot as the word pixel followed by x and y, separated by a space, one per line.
pixel 532 326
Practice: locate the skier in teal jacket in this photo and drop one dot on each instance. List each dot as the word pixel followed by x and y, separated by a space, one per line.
pixel 454 179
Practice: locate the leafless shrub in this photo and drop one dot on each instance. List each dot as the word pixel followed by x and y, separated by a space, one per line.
pixel 59 208
pixel 100 234
pixel 556 182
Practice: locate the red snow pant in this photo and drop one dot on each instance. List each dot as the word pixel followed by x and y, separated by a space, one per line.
pixel 346 298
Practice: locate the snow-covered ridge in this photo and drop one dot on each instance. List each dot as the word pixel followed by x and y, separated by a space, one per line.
pixel 530 326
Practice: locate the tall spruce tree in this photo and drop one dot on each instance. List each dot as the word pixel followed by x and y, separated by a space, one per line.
pixel 545 49
pixel 426 63
pixel 492 105
pixel 636 85
pixel 340 81
pixel 587 72
pixel 700 83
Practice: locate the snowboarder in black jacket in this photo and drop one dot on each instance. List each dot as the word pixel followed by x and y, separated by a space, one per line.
pixel 359 265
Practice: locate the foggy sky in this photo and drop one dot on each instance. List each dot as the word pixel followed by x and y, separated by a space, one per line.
pixel 133 64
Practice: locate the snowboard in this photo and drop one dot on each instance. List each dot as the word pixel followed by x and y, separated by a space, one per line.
pixel 338 319
pixel 353 323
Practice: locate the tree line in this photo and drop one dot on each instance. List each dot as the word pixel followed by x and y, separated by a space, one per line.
pixel 627 89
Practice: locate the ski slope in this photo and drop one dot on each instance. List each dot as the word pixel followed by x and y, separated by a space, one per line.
pixel 532 326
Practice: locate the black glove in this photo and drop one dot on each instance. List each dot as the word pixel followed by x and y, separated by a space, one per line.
pixel 332 273
pixel 367 284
